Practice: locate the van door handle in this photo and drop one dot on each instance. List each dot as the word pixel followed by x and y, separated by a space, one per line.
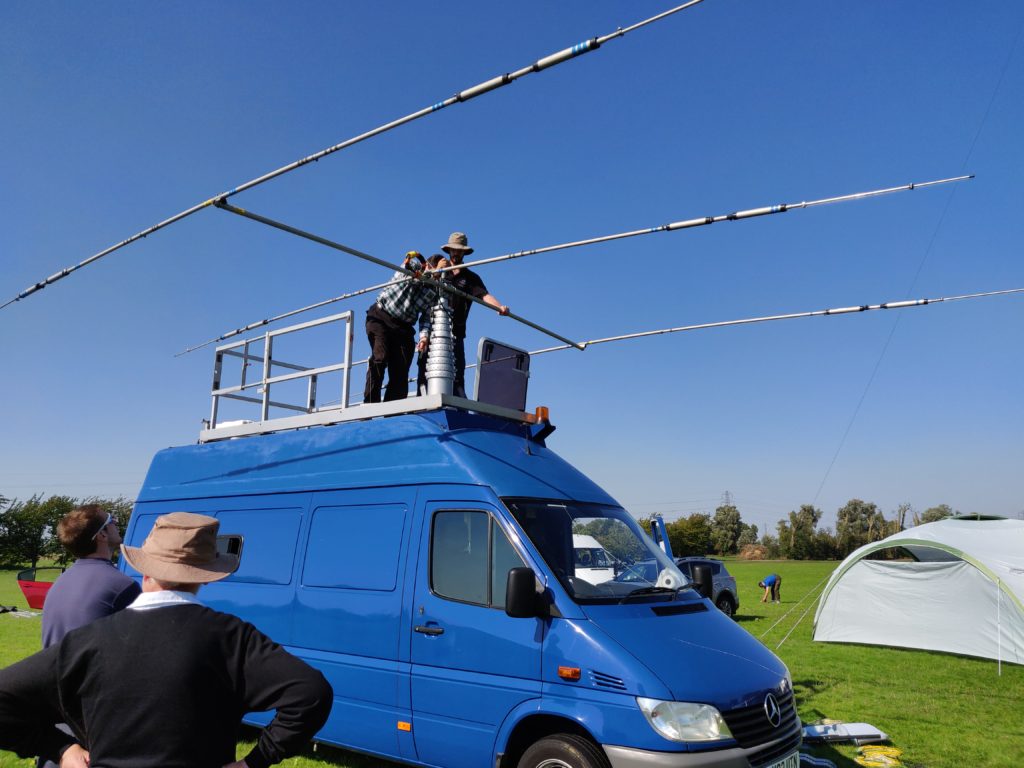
pixel 435 630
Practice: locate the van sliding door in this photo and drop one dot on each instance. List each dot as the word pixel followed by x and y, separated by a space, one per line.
pixel 348 613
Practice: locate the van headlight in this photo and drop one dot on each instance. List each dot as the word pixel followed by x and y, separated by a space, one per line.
pixel 683 720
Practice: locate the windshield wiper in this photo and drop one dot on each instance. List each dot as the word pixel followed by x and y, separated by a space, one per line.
pixel 649 591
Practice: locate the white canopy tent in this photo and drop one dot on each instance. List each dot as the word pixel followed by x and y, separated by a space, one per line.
pixel 963 592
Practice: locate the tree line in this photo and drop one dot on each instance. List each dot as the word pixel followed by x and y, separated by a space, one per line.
pixel 796 537
pixel 28 529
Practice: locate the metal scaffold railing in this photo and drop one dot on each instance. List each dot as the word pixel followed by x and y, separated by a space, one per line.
pixel 264 357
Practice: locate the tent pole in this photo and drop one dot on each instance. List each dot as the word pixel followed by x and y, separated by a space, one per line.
pixel 999 632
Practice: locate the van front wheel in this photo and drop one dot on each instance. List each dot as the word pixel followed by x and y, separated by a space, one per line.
pixel 564 750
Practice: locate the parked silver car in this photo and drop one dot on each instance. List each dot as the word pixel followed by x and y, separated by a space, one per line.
pixel 723 594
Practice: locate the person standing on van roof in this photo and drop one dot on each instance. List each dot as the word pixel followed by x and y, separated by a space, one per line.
pixel 467 281
pixel 164 683
pixel 772 586
pixel 92 587
pixel 389 329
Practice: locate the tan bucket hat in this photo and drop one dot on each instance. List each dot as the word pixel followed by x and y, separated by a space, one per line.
pixel 457 241
pixel 182 548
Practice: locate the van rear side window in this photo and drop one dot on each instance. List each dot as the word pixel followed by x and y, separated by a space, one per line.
pixel 355 547
pixel 470 558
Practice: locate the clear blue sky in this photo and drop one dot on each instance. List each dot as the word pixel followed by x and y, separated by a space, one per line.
pixel 117 115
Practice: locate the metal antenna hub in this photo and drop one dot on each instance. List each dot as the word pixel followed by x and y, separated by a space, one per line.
pixel 441 352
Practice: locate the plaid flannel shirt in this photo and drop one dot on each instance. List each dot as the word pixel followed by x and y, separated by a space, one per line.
pixel 409 300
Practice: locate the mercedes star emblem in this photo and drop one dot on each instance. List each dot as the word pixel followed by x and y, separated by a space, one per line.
pixel 772 710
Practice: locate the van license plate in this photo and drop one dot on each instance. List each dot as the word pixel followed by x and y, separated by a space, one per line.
pixel 789 761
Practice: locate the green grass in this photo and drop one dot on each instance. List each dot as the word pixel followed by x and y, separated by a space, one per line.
pixel 941 710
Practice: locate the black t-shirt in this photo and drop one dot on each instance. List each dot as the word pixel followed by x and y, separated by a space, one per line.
pixel 469 282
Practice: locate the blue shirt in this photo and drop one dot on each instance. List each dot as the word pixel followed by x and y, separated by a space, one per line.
pixel 770 580
pixel 90 589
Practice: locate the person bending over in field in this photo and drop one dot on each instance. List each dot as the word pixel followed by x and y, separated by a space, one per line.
pixel 772 586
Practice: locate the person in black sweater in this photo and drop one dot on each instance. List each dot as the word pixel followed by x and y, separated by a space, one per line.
pixel 164 683
pixel 467 281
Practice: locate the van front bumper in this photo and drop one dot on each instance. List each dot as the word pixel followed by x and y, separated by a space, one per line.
pixel 737 757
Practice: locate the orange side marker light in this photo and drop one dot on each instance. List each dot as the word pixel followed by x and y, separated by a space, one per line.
pixel 569 673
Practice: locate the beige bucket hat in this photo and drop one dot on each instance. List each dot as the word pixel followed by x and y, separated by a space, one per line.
pixel 182 548
pixel 457 241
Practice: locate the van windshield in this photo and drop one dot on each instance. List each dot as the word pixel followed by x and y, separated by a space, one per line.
pixel 599 553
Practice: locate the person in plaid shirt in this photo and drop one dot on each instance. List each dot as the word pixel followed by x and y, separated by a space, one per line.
pixel 389 329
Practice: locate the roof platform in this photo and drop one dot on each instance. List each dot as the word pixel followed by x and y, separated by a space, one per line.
pixel 501 383
pixel 338 415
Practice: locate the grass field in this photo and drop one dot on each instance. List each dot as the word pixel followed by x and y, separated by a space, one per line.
pixel 941 710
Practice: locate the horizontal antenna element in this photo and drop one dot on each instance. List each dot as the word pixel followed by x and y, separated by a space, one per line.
pixel 464 95
pixel 689 223
pixel 818 313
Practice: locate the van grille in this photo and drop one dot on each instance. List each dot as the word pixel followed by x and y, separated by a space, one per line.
pixel 750 726
pixel 770 754
pixel 606 681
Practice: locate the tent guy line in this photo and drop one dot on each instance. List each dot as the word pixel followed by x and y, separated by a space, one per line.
pixel 672 227
pixel 494 83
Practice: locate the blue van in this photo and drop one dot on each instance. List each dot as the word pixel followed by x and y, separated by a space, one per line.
pixel 424 562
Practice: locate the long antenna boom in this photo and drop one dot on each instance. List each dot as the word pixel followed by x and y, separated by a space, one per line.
pixel 395 267
pixel 465 95
pixel 738 215
pixel 818 313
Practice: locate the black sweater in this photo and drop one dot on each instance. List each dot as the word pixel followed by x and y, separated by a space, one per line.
pixel 161 688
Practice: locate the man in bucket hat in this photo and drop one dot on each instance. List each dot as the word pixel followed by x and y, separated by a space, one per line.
pixel 467 281
pixel 165 682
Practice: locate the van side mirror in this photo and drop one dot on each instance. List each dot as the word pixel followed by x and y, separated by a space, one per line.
pixel 702 579
pixel 521 593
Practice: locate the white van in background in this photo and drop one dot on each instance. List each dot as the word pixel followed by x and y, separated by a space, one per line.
pixel 594 563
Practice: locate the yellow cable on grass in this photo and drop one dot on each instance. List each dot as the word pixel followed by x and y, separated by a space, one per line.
pixel 876 755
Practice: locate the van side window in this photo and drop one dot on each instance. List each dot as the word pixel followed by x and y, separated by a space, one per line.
pixel 470 557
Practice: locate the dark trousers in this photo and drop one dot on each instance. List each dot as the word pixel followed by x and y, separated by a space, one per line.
pixel 459 388
pixel 392 345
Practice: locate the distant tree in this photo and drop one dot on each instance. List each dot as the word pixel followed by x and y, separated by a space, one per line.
pixel 934 514
pixel 725 529
pixel 690 535
pixel 771 547
pixel 858 523
pixel 824 545
pixel 748 535
pixel 899 521
pixel 27 529
pixel 796 535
